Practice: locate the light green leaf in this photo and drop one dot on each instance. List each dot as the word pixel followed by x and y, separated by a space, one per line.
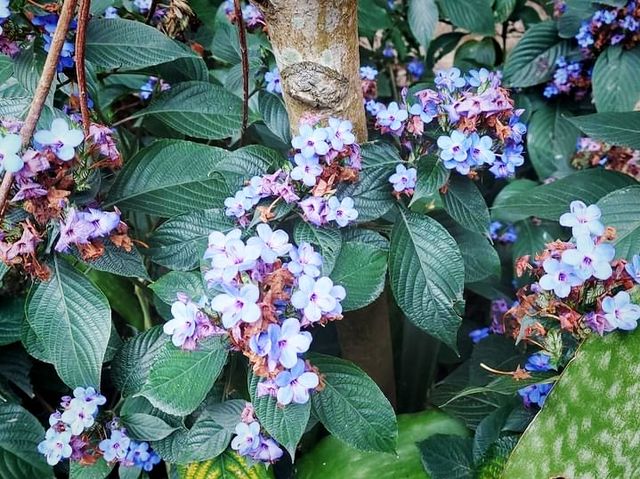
pixel 197 109
pixel 533 59
pixel 168 286
pixel 473 15
pixel 72 320
pixel 615 79
pixel 179 380
pixel 229 465
pixel 327 241
pixel 121 44
pixel 171 177
pixel 179 242
pixel 286 424
pixel 620 210
pixel 275 115
pixel 622 129
pixel 502 9
pixel 352 407
pixel 361 269
pixel 464 202
pixel 145 427
pixel 427 275
pixel 423 19
pixel 20 434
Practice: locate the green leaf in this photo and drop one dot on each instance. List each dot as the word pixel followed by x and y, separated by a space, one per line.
pixel 120 262
pixel 423 19
pixel 156 182
pixel 6 68
pixel 622 129
pixel 145 427
pixel 441 46
pixel 99 470
pixel 502 9
pixel 476 53
pixel 352 407
pixel 132 363
pixel 615 79
pixel 427 275
pixel 275 115
pixel 449 457
pixel 286 424
pixel 250 161
pixel 513 189
pixel 372 193
pixel 72 320
pixel 229 465
pixel 179 380
pixel 473 15
pixel 576 11
pixel 464 202
pixel 551 140
pixel 533 59
pixel 20 434
pixel 551 200
pixel 620 210
pixel 179 242
pixel 120 293
pixel 489 429
pixel 129 45
pixel 372 17
pixel 533 236
pixel 168 286
pixel 11 318
pixel 432 175
pixel 327 241
pixel 361 268
pixel 197 109
pixel 577 436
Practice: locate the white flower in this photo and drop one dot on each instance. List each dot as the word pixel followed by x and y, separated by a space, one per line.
pixel 306 169
pixel 9 147
pixel 236 306
pixel 272 243
pixel 183 324
pixel 342 212
pixel 305 260
pixel 60 138
pixel 316 298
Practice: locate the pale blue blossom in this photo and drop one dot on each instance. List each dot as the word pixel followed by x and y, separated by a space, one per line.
pixel 620 312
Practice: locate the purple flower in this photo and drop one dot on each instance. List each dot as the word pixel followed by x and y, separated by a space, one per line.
pixel 620 312
pixel 10 145
pixel 60 138
pixel 478 335
pixel 590 259
pixel 342 212
pixel 403 179
pixel 273 80
pixel 116 447
pixel 633 268
pixel 475 78
pixel 388 51
pixel 480 149
pixel 73 230
pixel 535 394
pixel 55 446
pixel 339 134
pixel 305 260
pixel 238 305
pixel 596 322
pixel 538 362
pixel 583 219
pixel 393 117
pixel 314 209
pixel 182 326
pixel 374 107
pixel 317 297
pixel 238 204
pixel 450 79
pixel 247 439
pixel 268 451
pixel 89 398
pixel 273 244
pixel 287 341
pixel 306 169
pixel 368 73
pixel 294 385
pixel 559 278
pixel 311 142
pixel 103 222
pixel 138 454
pixel 237 257
pixel 427 111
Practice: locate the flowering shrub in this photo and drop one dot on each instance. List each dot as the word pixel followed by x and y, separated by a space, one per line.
pixel 226 244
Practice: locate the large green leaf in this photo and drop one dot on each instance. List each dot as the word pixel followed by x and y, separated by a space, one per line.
pixel 327 241
pixel 432 175
pixel 228 465
pixel 197 109
pixel 551 140
pixel 372 193
pixel 20 434
pixel 179 242
pixel 11 319
pixel 146 427
pixel 171 177
pixel 286 424
pixel 274 115
pixel 129 45
pixel 621 129
pixel 620 210
pixel 72 320
pixel 352 407
pixel 551 200
pixel 98 470
pixel 168 286
pixel 448 457
pixel 533 236
pixel 590 421
pixel 131 365
pixel 179 380
pixel 464 202
pixel 423 19
pixel 615 79
pixel 575 12
pixel 513 189
pixel 533 59
pixel 427 275
pixel 120 262
pixel 473 15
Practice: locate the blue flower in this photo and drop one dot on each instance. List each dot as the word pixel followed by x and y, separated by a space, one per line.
pixel 416 68
pixel 475 78
pixel 403 179
pixel 311 141
pixel 294 385
pixel 427 112
pixel 10 160
pixel 454 147
pixel 535 394
pixel 393 117
pixel 388 51
pixel 450 79
pixel 539 362
pixel 480 149
pixel 116 447
pixel 60 138
pixel 342 212
pixel 620 312
pixel 559 278
pixel 306 169
pixel 633 268
pixel 111 12
pixel 247 438
pixel 584 220
pixel 5 12
pixel 590 259
pixel 273 80
pixel 478 335
pixel 368 73
pixel 373 107
pixel 55 446
pixel 584 36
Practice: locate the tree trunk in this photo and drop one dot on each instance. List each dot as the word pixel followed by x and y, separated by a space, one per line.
pixel 315 43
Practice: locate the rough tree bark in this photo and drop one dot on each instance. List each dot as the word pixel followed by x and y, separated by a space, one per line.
pixel 315 43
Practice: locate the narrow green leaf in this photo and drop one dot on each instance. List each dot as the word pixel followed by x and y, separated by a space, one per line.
pixel 423 19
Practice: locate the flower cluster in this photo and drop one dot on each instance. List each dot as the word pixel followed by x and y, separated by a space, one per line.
pixel 480 126
pixel 536 394
pixel 189 323
pixel 570 78
pixel 594 153
pixel 120 448
pixel 84 229
pixel 48 23
pixel 610 26
pixel 273 81
pixel 502 233
pixel 323 158
pixel 250 442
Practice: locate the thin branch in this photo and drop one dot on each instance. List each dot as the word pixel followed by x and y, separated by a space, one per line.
pixel 244 58
pixel 42 91
pixel 81 73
